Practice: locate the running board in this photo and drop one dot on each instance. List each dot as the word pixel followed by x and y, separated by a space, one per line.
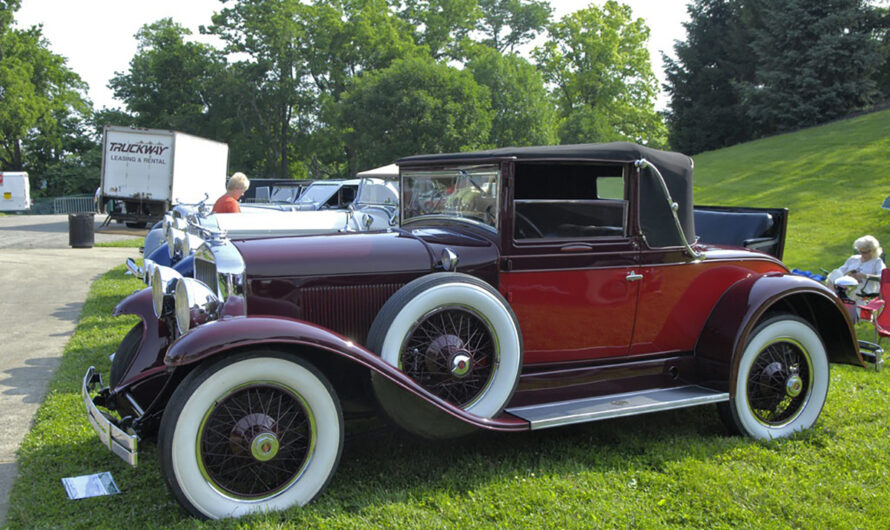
pixel 616 405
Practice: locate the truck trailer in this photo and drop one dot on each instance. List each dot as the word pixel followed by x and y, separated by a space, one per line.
pixel 146 171
pixel 14 191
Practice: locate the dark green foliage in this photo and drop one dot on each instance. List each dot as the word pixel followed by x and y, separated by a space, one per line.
pixel 706 110
pixel 882 36
pixel 750 68
pixel 415 106
pixel 814 62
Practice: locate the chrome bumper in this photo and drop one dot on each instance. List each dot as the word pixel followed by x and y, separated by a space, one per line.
pixel 120 443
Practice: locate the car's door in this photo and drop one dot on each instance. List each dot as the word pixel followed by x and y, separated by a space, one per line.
pixel 569 265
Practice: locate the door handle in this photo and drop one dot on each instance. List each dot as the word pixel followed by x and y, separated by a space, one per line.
pixel 576 248
pixel 633 276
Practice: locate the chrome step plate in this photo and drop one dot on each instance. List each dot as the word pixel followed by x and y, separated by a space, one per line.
pixel 616 405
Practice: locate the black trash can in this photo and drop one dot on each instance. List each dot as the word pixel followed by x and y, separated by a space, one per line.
pixel 81 231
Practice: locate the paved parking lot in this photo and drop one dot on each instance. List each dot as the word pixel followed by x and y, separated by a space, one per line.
pixel 44 284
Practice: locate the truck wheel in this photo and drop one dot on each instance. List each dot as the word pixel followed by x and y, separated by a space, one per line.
pixel 125 353
pixel 253 432
pixel 781 381
pixel 455 336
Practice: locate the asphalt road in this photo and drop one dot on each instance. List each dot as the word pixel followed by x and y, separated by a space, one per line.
pixel 44 284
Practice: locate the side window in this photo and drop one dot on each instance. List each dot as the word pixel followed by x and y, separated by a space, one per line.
pixel 569 201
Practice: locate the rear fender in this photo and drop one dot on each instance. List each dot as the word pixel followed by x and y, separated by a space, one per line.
pixel 231 334
pixel 748 301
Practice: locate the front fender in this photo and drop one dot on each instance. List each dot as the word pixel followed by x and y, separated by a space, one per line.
pixel 231 333
pixel 186 266
pixel 155 337
pixel 743 305
pixel 161 255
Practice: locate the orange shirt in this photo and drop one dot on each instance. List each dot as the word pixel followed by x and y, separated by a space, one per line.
pixel 226 204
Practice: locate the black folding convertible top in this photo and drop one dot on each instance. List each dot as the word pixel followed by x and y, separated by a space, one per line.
pixel 655 216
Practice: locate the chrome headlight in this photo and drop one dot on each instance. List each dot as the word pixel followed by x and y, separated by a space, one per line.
pixel 163 284
pixel 190 244
pixel 168 223
pixel 175 239
pixel 195 304
pixel 148 270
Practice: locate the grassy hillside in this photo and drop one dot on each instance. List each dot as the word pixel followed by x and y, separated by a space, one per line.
pixel 831 178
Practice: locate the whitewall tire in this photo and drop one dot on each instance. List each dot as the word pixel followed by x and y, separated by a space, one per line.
pixel 454 335
pixel 254 432
pixel 781 381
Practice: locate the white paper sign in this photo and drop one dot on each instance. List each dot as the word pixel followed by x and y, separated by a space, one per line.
pixel 90 485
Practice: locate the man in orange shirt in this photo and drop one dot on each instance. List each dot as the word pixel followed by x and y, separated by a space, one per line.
pixel 235 188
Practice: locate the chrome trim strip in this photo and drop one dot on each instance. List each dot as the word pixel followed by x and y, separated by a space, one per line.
pixel 118 442
pixel 616 406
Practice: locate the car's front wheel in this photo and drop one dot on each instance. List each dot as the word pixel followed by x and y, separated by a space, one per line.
pixel 258 431
pixel 781 380
pixel 456 337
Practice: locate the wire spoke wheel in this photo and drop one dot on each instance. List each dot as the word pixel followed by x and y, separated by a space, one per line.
pixel 255 441
pixel 778 382
pixel 451 353
pixel 781 380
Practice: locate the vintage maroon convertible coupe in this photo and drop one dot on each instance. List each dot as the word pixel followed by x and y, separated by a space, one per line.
pixel 525 288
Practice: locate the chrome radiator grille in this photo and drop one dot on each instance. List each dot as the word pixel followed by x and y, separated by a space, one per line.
pixel 205 271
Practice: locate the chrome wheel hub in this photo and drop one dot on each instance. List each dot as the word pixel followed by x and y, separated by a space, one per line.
pixel 264 446
pixel 793 386
pixel 461 364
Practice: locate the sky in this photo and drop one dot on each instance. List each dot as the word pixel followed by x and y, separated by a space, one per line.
pixel 98 36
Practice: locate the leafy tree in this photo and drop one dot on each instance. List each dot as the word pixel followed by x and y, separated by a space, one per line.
pixel 523 18
pixel 706 109
pixel 171 83
pixel 597 61
pixel 440 25
pixel 7 12
pixel 414 106
pixel 523 111
pixel 37 90
pixel 814 63
pixel 274 77
pixel 882 35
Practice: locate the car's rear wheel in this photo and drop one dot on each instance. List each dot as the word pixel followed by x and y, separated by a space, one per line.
pixel 456 337
pixel 254 432
pixel 781 381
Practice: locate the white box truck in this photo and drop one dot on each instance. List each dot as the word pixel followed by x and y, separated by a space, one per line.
pixel 146 171
pixel 15 191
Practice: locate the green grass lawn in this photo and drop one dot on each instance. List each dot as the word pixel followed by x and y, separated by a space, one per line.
pixel 673 469
pixel 127 243
pixel 832 179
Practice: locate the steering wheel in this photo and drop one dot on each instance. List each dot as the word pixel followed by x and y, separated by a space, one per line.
pixel 528 224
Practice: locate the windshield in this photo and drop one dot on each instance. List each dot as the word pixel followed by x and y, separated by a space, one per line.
pixel 470 193
pixel 318 193
pixel 378 192
pixel 284 194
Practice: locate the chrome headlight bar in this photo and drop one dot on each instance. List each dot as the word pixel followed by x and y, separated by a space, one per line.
pixel 163 286
pixel 195 304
